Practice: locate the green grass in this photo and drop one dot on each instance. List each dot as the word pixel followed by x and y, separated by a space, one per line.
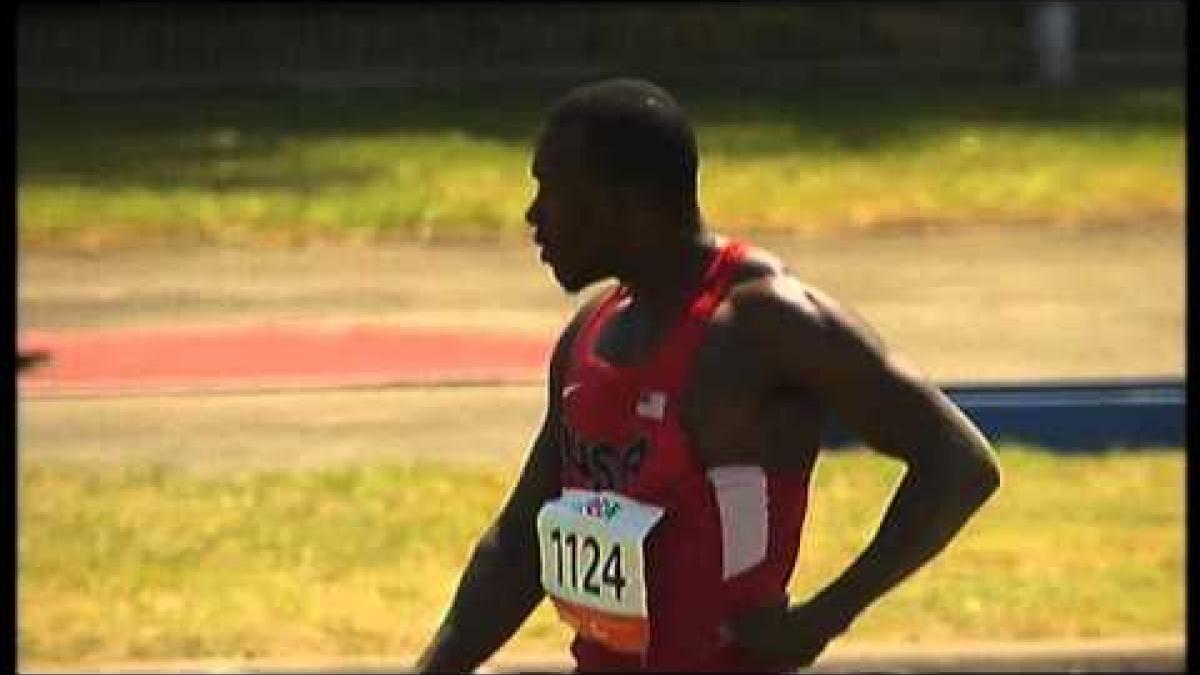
pixel 146 562
pixel 284 167
pixel 1071 547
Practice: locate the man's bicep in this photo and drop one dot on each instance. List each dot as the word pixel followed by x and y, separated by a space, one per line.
pixel 538 482
pixel 540 479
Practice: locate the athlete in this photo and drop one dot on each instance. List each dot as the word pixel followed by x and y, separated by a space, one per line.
pixel 661 505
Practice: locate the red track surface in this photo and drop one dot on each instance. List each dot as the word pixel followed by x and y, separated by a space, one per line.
pixel 121 361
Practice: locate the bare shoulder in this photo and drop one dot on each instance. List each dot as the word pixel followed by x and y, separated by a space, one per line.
pixel 756 264
pixel 778 312
pixel 764 289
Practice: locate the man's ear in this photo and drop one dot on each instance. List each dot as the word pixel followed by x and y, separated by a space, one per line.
pixel 642 207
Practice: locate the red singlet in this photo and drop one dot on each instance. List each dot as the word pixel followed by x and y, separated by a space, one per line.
pixel 728 538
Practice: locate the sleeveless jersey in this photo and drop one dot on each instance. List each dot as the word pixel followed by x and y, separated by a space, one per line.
pixel 712 543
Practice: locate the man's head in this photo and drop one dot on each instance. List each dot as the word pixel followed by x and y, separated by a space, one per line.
pixel 616 166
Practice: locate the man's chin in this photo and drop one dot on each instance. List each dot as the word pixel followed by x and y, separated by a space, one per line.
pixel 571 283
pixel 571 286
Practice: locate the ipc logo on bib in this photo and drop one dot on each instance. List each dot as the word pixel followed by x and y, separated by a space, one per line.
pixel 600 506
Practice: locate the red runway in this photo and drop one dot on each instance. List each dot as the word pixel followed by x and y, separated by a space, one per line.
pixel 161 360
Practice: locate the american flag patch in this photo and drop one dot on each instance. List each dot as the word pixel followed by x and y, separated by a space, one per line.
pixel 652 404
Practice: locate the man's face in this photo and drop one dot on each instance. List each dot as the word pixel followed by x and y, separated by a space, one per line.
pixel 573 216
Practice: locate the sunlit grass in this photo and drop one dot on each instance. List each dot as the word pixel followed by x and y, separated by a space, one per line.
pixel 1070 547
pixel 985 176
pixel 144 562
pixel 344 189
pixel 140 562
pixel 292 168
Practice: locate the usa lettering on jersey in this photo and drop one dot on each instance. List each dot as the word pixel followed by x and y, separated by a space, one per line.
pixel 602 466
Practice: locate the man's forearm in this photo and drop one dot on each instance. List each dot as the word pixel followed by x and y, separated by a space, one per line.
pixel 924 515
pixel 498 590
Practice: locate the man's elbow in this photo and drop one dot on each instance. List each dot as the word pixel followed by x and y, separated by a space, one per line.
pixel 980 478
pixel 967 477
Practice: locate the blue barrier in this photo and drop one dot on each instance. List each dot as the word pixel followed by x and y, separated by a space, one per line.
pixel 1068 415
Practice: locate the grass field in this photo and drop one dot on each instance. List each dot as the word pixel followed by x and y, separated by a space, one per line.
pixel 100 171
pixel 146 561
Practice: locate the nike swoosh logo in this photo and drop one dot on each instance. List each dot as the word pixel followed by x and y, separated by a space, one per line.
pixel 570 389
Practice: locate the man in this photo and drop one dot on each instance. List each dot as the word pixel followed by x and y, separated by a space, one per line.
pixel 661 504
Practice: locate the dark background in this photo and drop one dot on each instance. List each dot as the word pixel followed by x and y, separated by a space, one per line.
pixel 450 45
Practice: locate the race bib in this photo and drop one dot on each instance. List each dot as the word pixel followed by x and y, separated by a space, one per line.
pixel 593 564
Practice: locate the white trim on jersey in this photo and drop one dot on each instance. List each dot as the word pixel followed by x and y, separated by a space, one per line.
pixel 741 493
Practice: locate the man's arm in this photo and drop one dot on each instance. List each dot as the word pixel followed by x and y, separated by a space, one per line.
pixel 812 342
pixel 500 585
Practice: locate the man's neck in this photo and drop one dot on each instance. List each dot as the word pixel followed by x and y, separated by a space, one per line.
pixel 670 270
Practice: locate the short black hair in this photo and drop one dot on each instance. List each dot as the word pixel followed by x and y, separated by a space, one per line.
pixel 634 134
